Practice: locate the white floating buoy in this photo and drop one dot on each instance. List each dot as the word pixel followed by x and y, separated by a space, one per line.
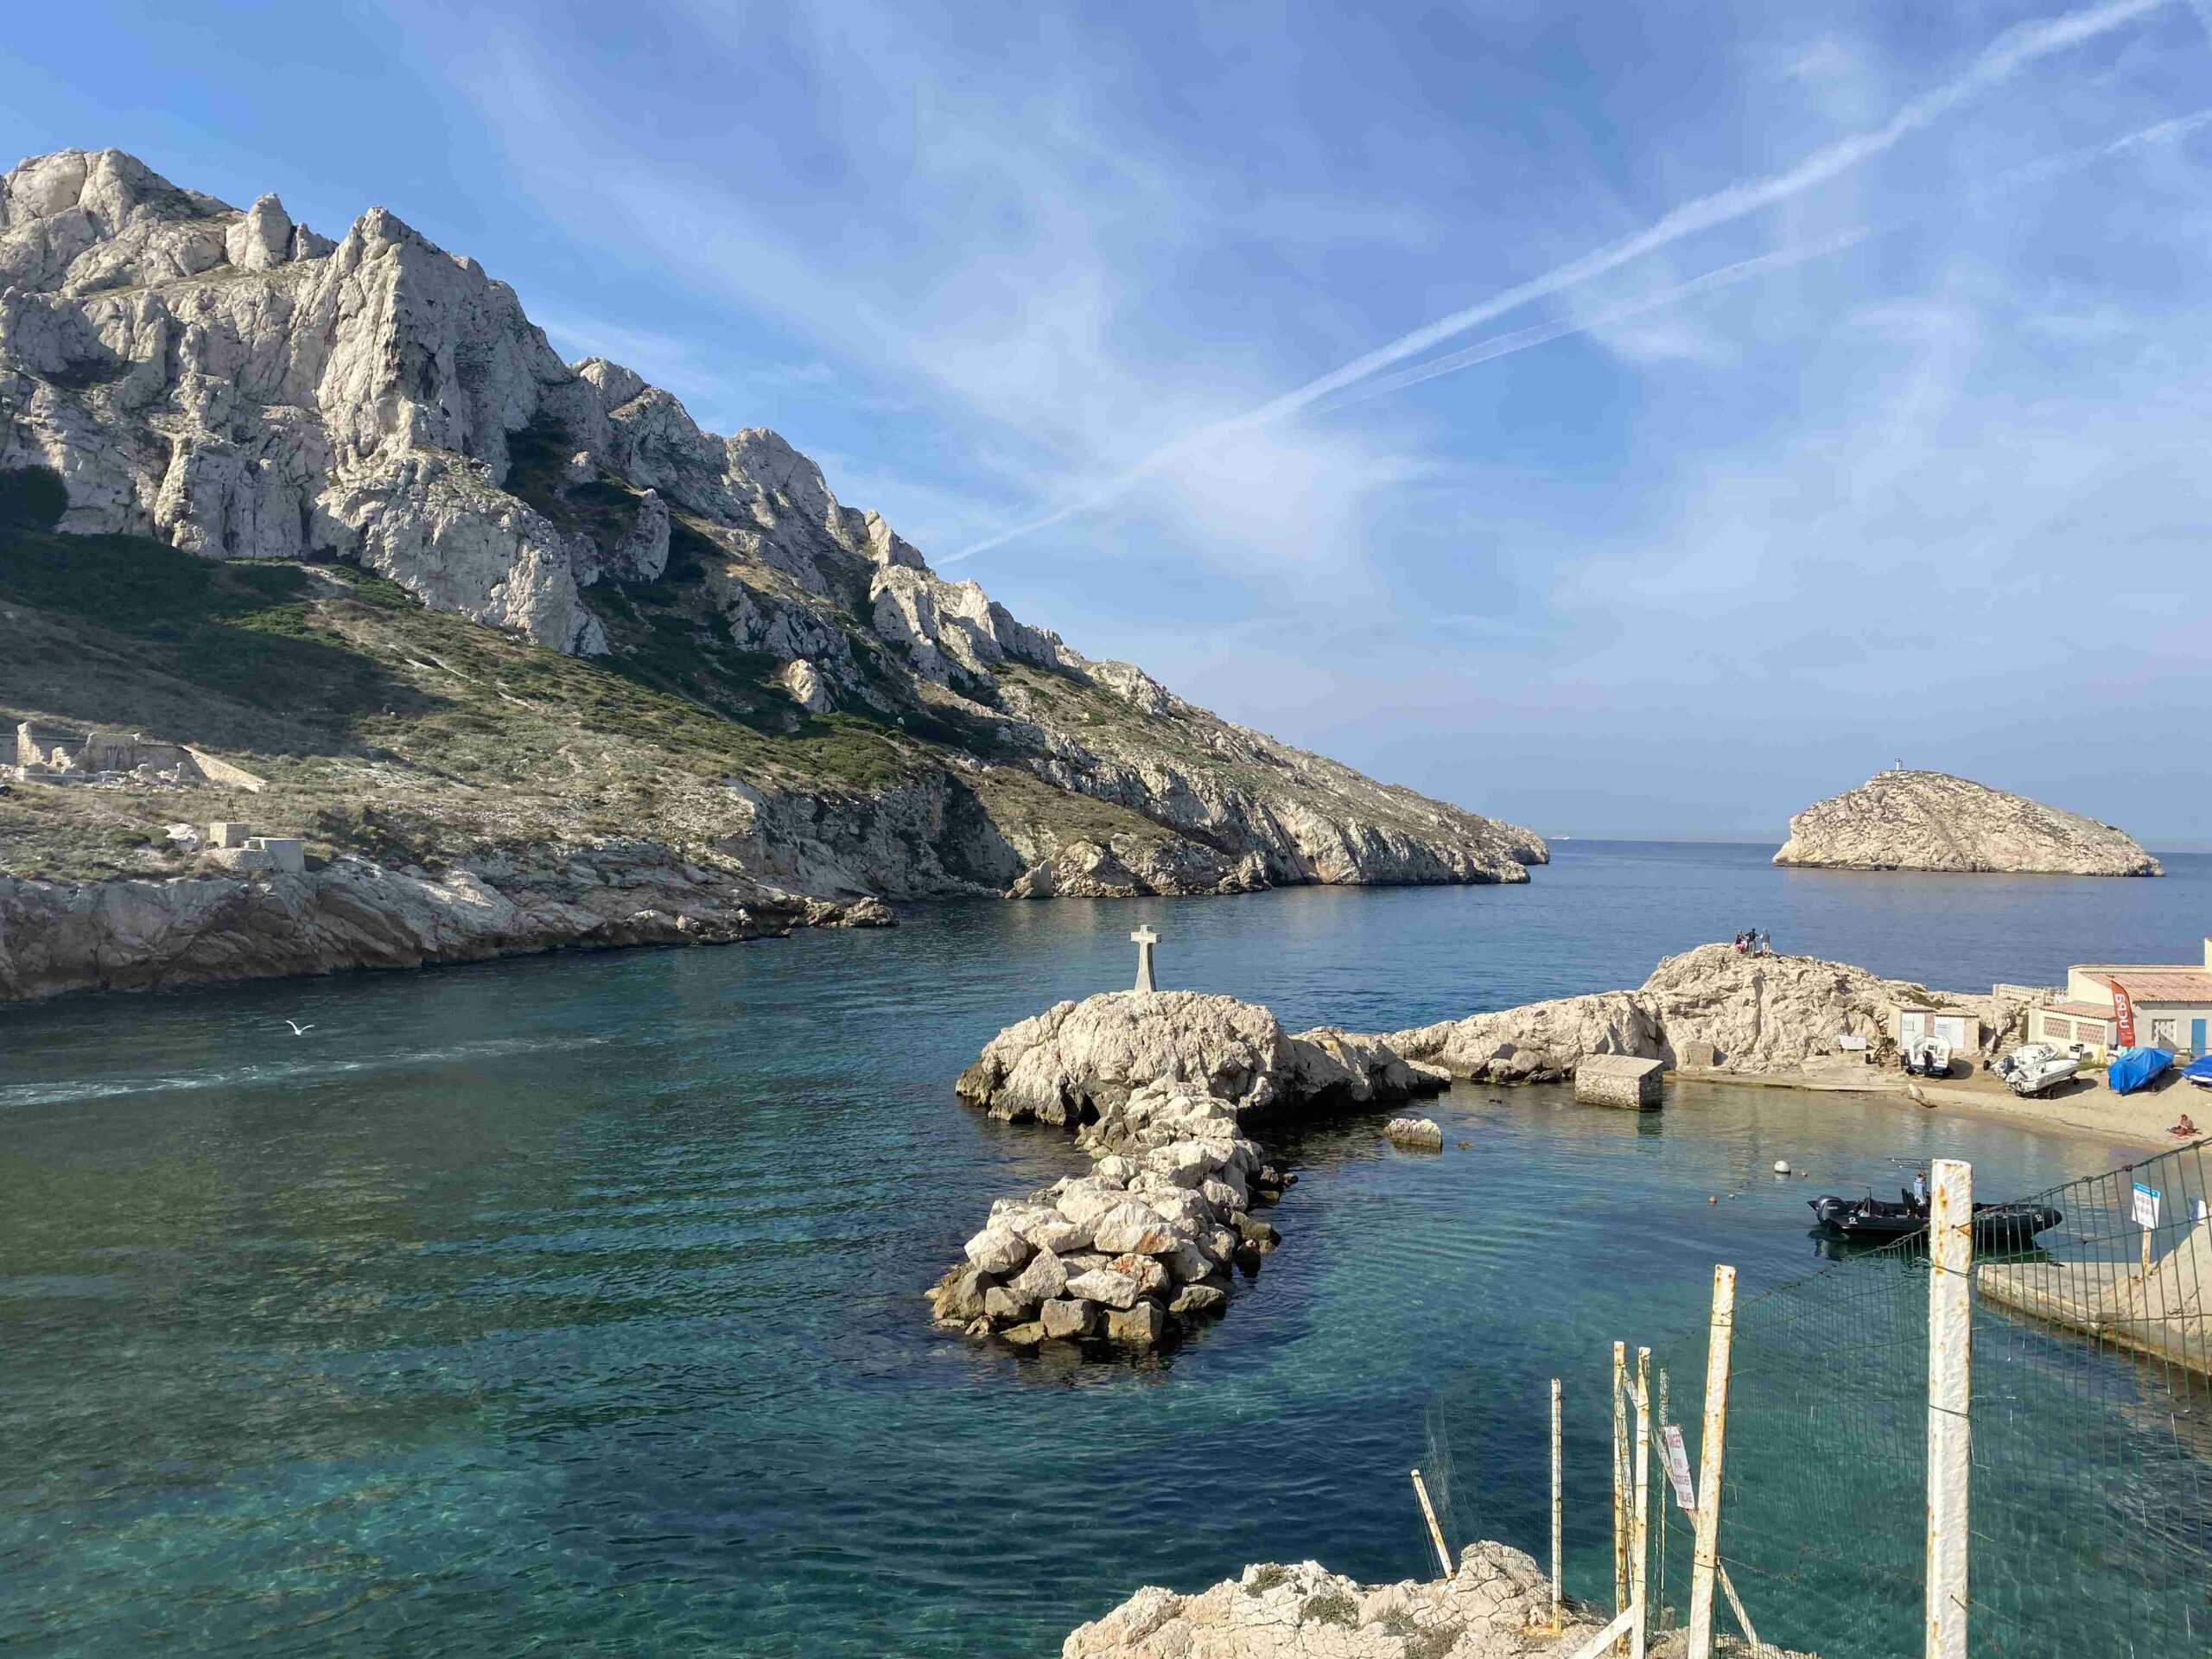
pixel 1782 1165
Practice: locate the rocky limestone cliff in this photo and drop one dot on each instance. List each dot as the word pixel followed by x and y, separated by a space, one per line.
pixel 1903 820
pixel 353 913
pixel 233 384
pixel 1755 1014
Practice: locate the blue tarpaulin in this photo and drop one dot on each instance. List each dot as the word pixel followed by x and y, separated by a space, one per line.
pixel 2132 1068
pixel 2199 1071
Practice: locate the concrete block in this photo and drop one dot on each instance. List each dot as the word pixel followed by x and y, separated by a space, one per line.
pixel 228 835
pixel 286 853
pixel 242 858
pixel 1697 1056
pixel 1618 1080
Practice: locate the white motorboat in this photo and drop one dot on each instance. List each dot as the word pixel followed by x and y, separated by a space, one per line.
pixel 1928 1057
pixel 2034 1067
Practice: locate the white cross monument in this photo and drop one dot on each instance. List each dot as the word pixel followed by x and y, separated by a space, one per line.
pixel 1146 938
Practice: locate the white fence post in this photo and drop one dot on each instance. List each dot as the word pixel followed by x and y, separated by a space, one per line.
pixel 1707 1557
pixel 1620 1482
pixel 1558 1482
pixel 1950 1369
pixel 1640 1526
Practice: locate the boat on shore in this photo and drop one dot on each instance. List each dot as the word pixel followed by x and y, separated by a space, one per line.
pixel 1928 1057
pixel 2136 1068
pixel 2035 1067
pixel 2198 1071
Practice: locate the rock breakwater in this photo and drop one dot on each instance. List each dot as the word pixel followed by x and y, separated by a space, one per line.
pixel 1159 1086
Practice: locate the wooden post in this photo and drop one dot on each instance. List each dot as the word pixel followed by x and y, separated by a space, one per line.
pixel 1435 1532
pixel 1640 1524
pixel 1950 1368
pixel 1662 1419
pixel 1557 1510
pixel 1706 1556
pixel 1620 1477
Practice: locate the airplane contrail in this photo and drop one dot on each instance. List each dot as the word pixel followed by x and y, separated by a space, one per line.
pixel 1521 340
pixel 1998 61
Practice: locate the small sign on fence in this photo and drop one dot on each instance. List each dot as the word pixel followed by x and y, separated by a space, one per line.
pixel 2146 1205
pixel 1678 1469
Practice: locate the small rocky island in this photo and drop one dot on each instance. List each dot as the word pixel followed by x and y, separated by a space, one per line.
pixel 1901 820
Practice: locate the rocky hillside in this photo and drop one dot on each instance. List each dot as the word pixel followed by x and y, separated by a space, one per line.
pixel 333 507
pixel 1930 821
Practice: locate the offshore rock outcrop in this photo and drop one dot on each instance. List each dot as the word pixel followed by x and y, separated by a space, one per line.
pixel 1902 820
pixel 1746 1014
pixel 1159 1085
pixel 239 386
pixel 352 913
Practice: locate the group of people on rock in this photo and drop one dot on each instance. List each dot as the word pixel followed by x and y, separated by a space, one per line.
pixel 1753 943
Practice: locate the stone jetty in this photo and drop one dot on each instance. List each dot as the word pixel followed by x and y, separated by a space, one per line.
pixel 1159 1086
pixel 1496 1605
pixel 1904 820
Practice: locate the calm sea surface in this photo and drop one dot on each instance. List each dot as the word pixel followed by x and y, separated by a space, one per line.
pixel 575 1303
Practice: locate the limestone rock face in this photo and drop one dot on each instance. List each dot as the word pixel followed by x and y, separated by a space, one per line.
pixel 1078 1062
pixel 240 387
pixel 1484 1611
pixel 1758 1013
pixel 1931 820
pixel 135 935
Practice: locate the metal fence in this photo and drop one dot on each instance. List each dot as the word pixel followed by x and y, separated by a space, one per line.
pixel 2025 1422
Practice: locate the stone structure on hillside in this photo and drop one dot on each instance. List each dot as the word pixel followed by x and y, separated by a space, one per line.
pixel 235 847
pixel 49 754
pixel 1618 1080
pixel 1903 820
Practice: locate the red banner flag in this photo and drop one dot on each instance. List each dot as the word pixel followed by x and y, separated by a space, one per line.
pixel 2123 1009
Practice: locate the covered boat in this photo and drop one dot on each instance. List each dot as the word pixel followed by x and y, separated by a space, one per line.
pixel 2132 1068
pixel 2198 1071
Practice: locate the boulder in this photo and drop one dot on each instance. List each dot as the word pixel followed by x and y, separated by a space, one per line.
pixel 1198 1301
pixel 998 1251
pixel 1002 1305
pixel 1150 1277
pixel 1043 1278
pixel 1105 1287
pixel 1423 1132
pixel 958 1297
pixel 1069 1318
pixel 1133 1226
pixel 1076 1060
pixel 1139 1326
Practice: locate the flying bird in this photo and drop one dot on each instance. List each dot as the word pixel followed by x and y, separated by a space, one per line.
pixel 299 1030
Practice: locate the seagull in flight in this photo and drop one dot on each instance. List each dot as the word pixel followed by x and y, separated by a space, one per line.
pixel 299 1030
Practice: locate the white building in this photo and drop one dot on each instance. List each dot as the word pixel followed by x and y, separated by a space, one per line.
pixel 2154 1004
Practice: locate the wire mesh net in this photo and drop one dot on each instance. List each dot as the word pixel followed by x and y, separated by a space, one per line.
pixel 2091 1420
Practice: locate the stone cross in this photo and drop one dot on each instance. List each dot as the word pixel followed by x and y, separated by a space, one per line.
pixel 1146 938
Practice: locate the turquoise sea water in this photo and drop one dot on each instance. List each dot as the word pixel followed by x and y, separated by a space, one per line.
pixel 575 1303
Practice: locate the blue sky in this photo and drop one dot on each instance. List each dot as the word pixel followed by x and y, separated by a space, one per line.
pixel 1627 419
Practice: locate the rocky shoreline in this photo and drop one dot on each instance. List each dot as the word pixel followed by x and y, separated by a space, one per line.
pixel 1497 1604
pixel 1159 1086
pixel 354 914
